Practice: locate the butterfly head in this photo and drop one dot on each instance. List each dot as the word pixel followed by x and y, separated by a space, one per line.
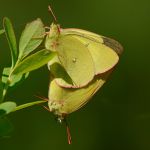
pixel 51 42
pixel 54 31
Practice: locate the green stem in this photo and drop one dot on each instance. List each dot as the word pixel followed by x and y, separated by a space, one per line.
pixel 5 90
pixel 6 86
pixel 28 105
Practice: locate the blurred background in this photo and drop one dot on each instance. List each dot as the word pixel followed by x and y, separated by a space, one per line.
pixel 118 116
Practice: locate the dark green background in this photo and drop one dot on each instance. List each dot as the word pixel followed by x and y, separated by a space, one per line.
pixel 118 116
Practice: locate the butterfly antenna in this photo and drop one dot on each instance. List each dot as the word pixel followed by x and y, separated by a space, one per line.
pixel 41 97
pixel 68 132
pixel 52 13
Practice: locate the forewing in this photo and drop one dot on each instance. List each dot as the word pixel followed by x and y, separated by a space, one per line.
pixel 76 59
pixel 104 51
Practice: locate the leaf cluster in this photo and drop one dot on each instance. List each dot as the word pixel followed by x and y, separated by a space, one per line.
pixel 24 58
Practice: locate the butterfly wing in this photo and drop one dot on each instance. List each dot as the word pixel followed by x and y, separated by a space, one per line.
pixel 76 60
pixel 105 55
pixel 104 51
pixel 115 45
pixel 71 100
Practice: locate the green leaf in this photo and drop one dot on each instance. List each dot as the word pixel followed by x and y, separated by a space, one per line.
pixel 28 105
pixel 2 31
pixel 7 106
pixel 33 62
pixel 15 79
pixel 6 127
pixel 31 37
pixel 10 35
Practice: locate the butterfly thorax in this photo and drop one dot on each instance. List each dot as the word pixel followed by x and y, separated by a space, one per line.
pixel 57 108
pixel 52 37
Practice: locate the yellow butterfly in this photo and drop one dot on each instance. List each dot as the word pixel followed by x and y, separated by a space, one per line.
pixel 82 65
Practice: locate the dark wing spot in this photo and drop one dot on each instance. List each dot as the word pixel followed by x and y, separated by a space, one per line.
pixel 116 46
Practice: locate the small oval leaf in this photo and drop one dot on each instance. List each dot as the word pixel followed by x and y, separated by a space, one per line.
pixel 8 106
pixel 34 61
pixel 31 37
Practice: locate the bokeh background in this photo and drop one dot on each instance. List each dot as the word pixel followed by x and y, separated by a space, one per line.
pixel 118 116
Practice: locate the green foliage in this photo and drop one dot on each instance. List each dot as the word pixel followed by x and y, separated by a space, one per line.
pixel 22 64
pixel 27 44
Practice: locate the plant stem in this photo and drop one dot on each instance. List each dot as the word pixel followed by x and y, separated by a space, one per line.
pixel 5 90
pixel 6 86
pixel 28 105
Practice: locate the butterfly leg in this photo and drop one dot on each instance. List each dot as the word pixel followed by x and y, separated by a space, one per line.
pixel 46 108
